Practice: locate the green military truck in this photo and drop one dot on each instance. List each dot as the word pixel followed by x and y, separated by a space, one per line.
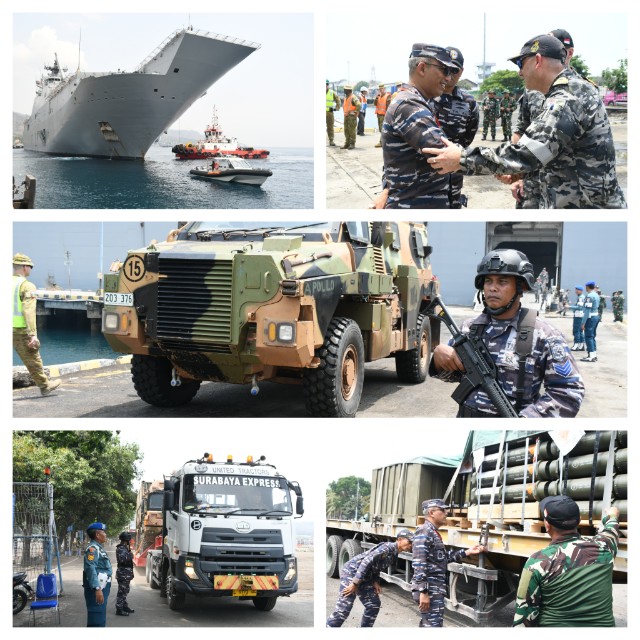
pixel 291 302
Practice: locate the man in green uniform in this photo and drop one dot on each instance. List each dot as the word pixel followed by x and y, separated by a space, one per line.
pixel 569 583
pixel 351 108
pixel 332 104
pixel 25 332
pixel 490 111
pixel 507 107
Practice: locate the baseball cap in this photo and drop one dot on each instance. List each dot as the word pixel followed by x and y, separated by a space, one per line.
pixel 433 502
pixel 560 511
pixel 456 57
pixel 421 50
pixel 405 533
pixel 546 45
pixel 564 37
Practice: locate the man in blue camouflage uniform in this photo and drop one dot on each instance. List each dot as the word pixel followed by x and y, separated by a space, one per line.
pixel 458 114
pixel 502 277
pixel 569 583
pixel 579 343
pixel 590 321
pixel 124 573
pixel 96 576
pixel 490 111
pixel 410 124
pixel 430 560
pixel 361 577
pixel 570 143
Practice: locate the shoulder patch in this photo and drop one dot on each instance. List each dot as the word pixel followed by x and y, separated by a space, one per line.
pixel 90 556
pixel 560 81
pixel 552 104
pixel 557 349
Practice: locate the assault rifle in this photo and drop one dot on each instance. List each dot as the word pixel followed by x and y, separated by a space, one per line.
pixel 480 369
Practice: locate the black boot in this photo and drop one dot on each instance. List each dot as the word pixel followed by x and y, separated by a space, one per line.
pixel 121 612
pixel 127 610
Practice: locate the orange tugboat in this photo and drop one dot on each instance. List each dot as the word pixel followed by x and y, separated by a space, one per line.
pixel 216 143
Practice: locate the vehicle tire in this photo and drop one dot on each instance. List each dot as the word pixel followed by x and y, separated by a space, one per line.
pixel 19 600
pixel 265 604
pixel 147 573
pixel 334 543
pixel 175 600
pixel 334 389
pixel 350 549
pixel 162 583
pixel 413 366
pixel 152 381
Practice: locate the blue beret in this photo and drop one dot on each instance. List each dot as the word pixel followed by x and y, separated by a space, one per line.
pixel 591 283
pixel 97 525
pixel 579 287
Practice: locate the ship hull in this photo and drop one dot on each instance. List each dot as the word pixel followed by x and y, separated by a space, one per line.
pixel 120 115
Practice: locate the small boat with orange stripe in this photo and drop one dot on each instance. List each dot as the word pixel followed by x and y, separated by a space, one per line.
pixel 224 169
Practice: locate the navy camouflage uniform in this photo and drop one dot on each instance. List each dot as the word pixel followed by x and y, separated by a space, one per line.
pixel 459 117
pixel 430 560
pixel 124 574
pixel 96 562
pixel 550 362
pixel 363 570
pixel 570 143
pixel 409 125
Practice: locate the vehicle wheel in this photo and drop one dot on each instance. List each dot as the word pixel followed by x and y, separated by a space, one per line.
pixel 152 381
pixel 19 600
pixel 147 572
pixel 334 543
pixel 334 389
pixel 350 549
pixel 162 583
pixel 265 604
pixel 175 600
pixel 413 366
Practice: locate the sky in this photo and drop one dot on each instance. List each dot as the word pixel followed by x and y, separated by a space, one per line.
pixel 244 97
pixel 600 39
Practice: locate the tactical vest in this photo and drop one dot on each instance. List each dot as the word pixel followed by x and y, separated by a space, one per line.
pixel 349 107
pixel 330 99
pixel 381 104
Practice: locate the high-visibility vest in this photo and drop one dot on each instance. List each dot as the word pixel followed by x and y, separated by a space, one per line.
pixel 381 104
pixel 18 319
pixel 331 99
pixel 349 107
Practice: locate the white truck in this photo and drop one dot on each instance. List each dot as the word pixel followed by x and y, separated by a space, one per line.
pixel 228 532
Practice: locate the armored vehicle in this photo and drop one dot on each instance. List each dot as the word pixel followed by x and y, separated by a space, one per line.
pixel 292 302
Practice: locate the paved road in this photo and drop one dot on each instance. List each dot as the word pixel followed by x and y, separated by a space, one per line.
pixel 152 611
pixel 109 392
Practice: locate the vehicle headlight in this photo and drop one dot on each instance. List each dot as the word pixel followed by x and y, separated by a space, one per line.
pixel 291 570
pixel 285 332
pixel 281 331
pixel 111 321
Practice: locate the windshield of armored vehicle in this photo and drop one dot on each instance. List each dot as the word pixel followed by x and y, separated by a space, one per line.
pixel 260 227
pixel 226 494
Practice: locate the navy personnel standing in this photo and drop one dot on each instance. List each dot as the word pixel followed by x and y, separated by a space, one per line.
pixel 528 352
pixel 430 560
pixel 124 573
pixel 96 577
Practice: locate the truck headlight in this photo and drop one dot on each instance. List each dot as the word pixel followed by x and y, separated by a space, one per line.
pixel 291 570
pixel 111 321
pixel 285 332
pixel 281 331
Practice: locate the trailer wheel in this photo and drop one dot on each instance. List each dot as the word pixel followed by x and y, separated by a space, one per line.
pixel 175 600
pixel 333 555
pixel 152 381
pixel 413 366
pixel 265 604
pixel 334 388
pixel 349 549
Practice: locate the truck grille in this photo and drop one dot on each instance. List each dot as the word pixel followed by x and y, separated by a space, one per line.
pixel 194 301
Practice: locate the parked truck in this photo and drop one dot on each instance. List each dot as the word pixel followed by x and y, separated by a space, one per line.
pixel 228 532
pixel 495 486
pixel 148 519
pixel 303 303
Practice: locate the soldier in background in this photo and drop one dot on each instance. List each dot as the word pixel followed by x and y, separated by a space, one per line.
pixel 362 114
pixel 25 332
pixel 361 576
pixel 351 107
pixel 381 104
pixel 617 302
pixel 490 111
pixel 570 143
pixel 578 313
pixel 430 559
pixel 590 321
pixel 507 107
pixel 332 104
pixel 96 576
pixel 124 573
pixel 569 583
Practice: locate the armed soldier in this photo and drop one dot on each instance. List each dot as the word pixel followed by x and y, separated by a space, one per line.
pixel 527 351
pixel 361 576
pixel 124 573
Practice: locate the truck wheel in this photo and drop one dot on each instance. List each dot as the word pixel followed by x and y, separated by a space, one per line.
pixel 265 604
pixel 162 582
pixel 413 366
pixel 147 571
pixel 334 543
pixel 152 381
pixel 334 389
pixel 350 549
pixel 175 600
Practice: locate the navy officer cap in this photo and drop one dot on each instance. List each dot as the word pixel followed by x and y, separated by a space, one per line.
pixel 433 502
pixel 421 50
pixel 97 525
pixel 546 45
pixel 560 511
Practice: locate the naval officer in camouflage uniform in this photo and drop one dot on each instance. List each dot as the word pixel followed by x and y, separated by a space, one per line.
pixel 124 573
pixel 570 142
pixel 25 331
pixel 409 124
pixel 502 277
pixel 569 583
pixel 458 114
pixel 96 576
pixel 361 576
pixel 430 560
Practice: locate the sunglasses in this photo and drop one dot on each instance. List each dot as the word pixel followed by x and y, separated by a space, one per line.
pixel 446 71
pixel 520 61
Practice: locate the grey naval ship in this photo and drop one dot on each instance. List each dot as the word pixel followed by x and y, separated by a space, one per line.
pixel 120 114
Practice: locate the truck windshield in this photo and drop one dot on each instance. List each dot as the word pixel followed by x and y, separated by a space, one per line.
pixel 224 494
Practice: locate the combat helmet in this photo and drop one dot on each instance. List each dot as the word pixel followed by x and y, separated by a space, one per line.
pixel 21 259
pixel 125 536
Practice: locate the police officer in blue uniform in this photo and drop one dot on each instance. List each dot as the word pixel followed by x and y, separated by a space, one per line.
pixel 430 559
pixel 361 577
pixel 96 577
pixel 124 573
